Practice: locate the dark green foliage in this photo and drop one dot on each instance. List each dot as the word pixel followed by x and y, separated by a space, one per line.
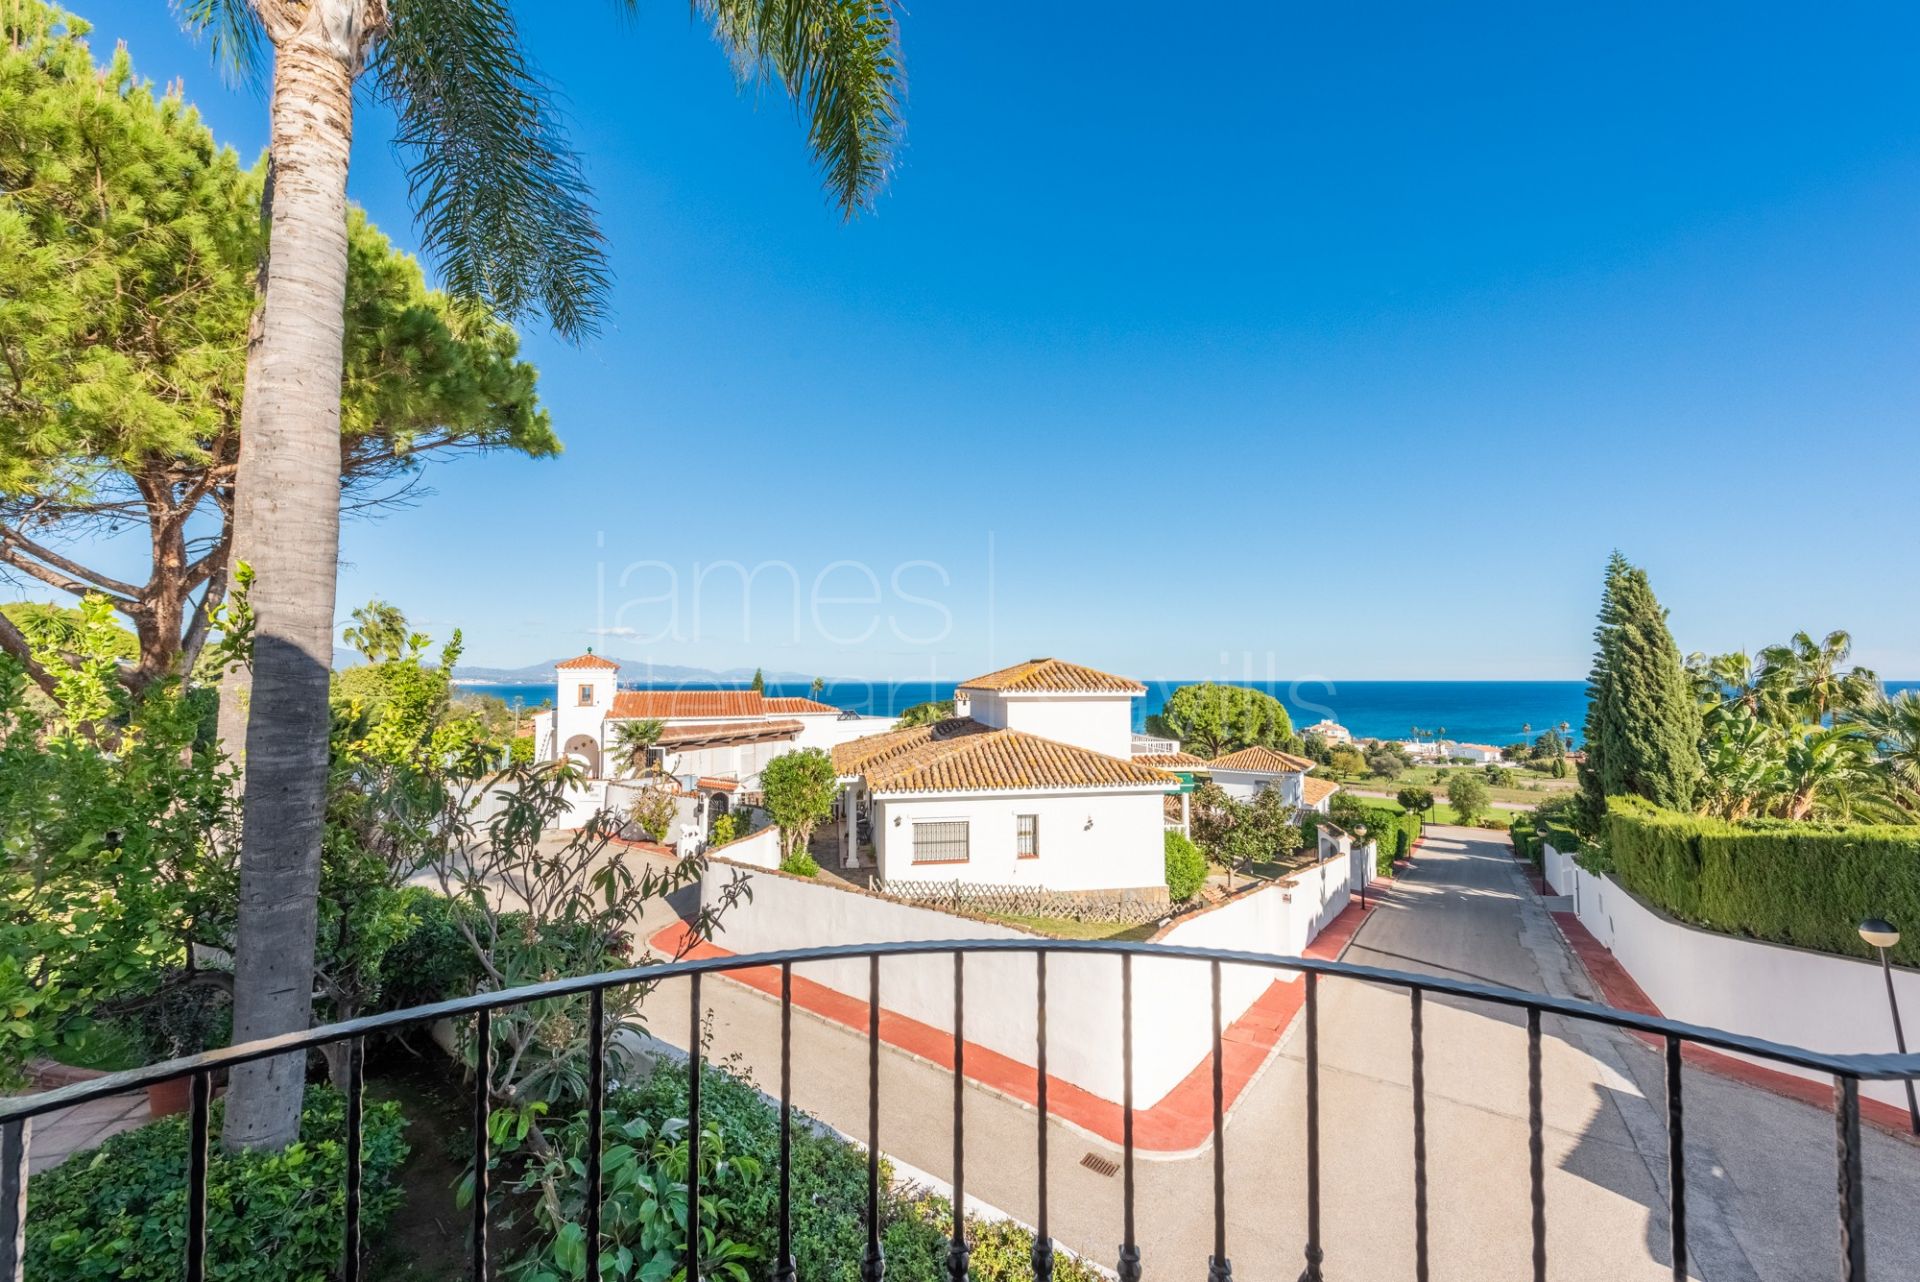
pixel 1798 883
pixel 1467 794
pixel 925 714
pixel 1526 843
pixel 829 1192
pixel 1643 724
pixel 1211 719
pixel 1186 868
pixel 1416 800
pixel 1392 830
pixel 120 1211
pixel 430 960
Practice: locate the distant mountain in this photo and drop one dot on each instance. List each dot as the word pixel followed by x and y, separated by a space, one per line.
pixel 630 673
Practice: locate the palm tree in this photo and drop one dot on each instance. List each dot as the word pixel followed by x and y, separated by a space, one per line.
pixel 1893 724
pixel 1810 670
pixel 1828 764
pixel 504 207
pixel 632 739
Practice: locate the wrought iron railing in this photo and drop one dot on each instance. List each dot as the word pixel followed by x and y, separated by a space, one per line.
pixel 1847 1071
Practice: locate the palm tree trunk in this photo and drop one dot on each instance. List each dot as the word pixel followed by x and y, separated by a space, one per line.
pixel 287 527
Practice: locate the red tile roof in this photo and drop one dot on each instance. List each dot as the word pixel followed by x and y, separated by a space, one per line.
pixel 1171 760
pixel 710 734
pixel 1315 791
pixel 1259 760
pixel 679 705
pixel 794 705
pixel 963 755
pixel 714 783
pixel 587 660
pixel 1054 675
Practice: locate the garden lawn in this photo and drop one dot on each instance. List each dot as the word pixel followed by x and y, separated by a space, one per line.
pixel 1529 789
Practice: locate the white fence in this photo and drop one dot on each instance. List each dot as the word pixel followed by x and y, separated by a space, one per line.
pixel 1172 1011
pixel 1792 995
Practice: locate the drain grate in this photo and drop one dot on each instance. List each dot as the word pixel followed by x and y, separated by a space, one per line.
pixel 1102 1166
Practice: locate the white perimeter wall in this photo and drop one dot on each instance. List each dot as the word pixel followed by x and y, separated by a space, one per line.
pixel 1791 995
pixel 1172 1009
pixel 1103 723
pixel 1125 849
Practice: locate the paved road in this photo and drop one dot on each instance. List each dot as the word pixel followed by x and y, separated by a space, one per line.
pixel 1761 1173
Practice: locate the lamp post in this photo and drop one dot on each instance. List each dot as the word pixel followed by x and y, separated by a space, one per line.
pixel 1881 935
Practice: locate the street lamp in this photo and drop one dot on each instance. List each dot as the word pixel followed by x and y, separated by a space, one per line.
pixel 1880 934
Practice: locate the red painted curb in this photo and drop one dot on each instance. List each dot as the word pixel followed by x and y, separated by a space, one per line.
pixel 1180 1122
pixel 1618 989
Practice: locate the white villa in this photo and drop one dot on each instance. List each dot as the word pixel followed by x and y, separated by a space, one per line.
pixel 1245 774
pixel 1031 782
pixel 714 742
pixel 1330 730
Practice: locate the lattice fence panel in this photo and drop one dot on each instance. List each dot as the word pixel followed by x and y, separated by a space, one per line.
pixel 1127 906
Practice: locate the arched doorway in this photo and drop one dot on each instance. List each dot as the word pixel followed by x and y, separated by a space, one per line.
pixel 586 750
pixel 718 803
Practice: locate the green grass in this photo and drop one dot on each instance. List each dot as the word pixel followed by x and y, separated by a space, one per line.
pixel 1528 788
pixel 1067 928
pixel 105 1046
pixel 1441 813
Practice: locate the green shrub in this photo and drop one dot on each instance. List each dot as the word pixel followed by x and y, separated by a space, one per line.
pixel 520 750
pixel 120 1212
pixel 1526 843
pixel 1186 868
pixel 800 864
pixel 1803 884
pixel 431 960
pixel 829 1192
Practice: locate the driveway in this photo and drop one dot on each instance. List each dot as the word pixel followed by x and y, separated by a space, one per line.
pixel 1761 1169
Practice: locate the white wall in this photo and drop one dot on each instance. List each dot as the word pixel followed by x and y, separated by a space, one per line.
pixel 1814 1000
pixel 570 717
pixel 1103 723
pixel 820 730
pixel 761 850
pixel 1172 1010
pixel 1245 785
pixel 584 800
pixel 1125 849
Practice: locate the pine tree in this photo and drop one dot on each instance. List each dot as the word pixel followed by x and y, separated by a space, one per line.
pixel 1643 725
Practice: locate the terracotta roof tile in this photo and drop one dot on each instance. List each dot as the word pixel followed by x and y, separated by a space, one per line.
pixel 714 733
pixel 1314 791
pixel 1259 760
pixel 1171 760
pixel 1054 675
pixel 587 660
pixel 963 755
pixel 674 705
pixel 792 705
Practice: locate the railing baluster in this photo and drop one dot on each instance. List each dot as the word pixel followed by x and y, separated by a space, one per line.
pixel 873 1266
pixel 596 1121
pixel 693 1129
pixel 16 1142
pixel 1219 1266
pixel 1536 1147
pixel 1314 1254
pixel 199 1106
pixel 1853 1210
pixel 482 1088
pixel 1129 1270
pixel 1042 1240
pixel 1419 1137
pixel 356 1093
pixel 1676 1164
pixel 957 1240
pixel 784 1271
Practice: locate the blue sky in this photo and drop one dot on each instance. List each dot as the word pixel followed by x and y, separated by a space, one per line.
pixel 1282 340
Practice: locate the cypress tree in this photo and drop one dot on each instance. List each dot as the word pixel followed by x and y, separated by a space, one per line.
pixel 1643 725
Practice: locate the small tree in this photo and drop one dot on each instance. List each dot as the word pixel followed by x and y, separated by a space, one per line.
pixel 1467 794
pixel 1383 764
pixel 1415 800
pixel 800 788
pixel 759 683
pixel 654 810
pixel 1346 761
pixel 1186 868
pixel 380 633
pixel 633 739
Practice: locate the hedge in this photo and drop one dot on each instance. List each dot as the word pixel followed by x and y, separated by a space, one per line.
pixel 121 1211
pixel 1804 884
pixel 1526 842
pixel 1392 829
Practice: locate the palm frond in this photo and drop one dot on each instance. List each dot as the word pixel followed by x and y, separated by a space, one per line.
pixel 502 203
pixel 232 28
pixel 840 62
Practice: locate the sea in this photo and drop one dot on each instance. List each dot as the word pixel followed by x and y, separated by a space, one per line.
pixel 1493 712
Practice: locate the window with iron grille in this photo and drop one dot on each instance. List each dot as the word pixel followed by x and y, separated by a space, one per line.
pixel 1026 842
pixel 942 841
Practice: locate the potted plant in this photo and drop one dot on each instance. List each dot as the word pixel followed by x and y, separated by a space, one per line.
pixel 183 1017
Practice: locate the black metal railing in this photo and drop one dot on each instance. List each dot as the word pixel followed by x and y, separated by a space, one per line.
pixel 1847 1071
